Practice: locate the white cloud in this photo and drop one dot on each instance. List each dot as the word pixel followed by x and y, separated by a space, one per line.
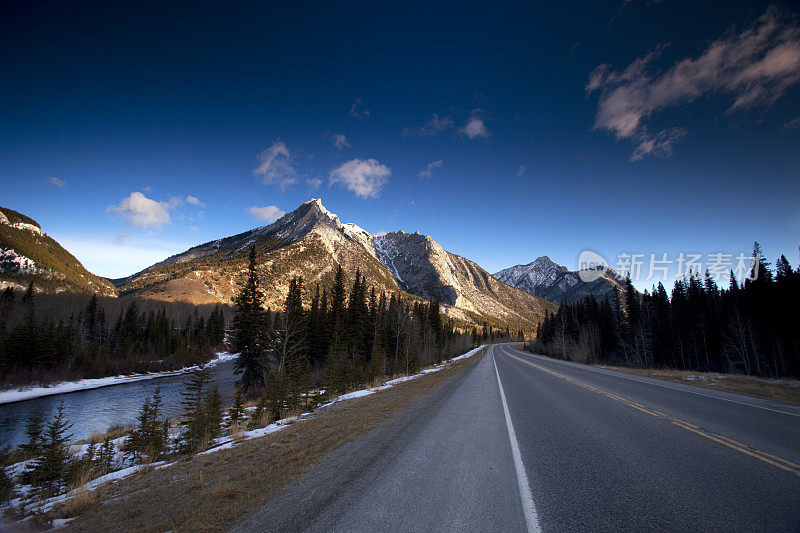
pixel 660 144
pixel 268 213
pixel 139 211
pixel 475 127
pixel 756 66
pixel 521 170
pixel 122 236
pixel 340 141
pixel 275 166
pixel 434 126
pixel 427 172
pixel 52 180
pixel 194 200
pixel 175 202
pixel 313 183
pixel 357 110
pixel 794 123
pixel 364 177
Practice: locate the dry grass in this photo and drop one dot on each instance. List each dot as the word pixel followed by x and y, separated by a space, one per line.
pixel 264 419
pixel 83 500
pixel 781 390
pixel 235 430
pixel 211 492
pixel 97 437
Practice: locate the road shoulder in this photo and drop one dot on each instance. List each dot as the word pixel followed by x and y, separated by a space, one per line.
pixel 212 492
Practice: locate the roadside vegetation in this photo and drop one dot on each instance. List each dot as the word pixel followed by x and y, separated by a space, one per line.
pixel 215 490
pixel 291 362
pixel 341 341
pixel 779 389
pixel 750 328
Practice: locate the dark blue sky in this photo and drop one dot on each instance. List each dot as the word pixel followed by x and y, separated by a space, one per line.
pixel 488 126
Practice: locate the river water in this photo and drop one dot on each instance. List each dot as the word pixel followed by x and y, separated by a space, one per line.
pixel 99 409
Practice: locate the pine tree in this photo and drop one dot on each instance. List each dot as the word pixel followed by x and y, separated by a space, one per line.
pixel 28 296
pixel 212 407
pixel 49 468
pixel 149 439
pixel 251 330
pixel 106 456
pixel 34 431
pixel 195 410
pixel 236 412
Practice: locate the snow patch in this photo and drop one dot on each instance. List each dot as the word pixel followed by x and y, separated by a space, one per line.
pixel 36 230
pixel 14 263
pixel 18 395
pixel 229 443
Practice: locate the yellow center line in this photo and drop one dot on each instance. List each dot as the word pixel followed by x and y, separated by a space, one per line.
pixel 721 439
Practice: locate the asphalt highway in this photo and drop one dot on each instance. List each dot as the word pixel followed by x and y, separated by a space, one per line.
pixel 527 443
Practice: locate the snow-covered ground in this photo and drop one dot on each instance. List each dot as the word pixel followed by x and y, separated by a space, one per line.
pixel 18 395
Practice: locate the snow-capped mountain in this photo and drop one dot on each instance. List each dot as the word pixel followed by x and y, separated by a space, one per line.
pixel 312 242
pixel 551 281
pixel 28 254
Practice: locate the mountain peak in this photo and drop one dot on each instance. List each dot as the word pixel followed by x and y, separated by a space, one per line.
pixel 311 241
pixel 546 278
pixel 544 261
pixel 314 205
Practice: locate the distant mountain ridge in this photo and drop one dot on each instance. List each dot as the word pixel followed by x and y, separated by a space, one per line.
pixel 549 280
pixel 312 242
pixel 28 254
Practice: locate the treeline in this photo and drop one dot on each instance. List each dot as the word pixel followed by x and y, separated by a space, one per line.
pixel 41 340
pixel 345 338
pixel 749 328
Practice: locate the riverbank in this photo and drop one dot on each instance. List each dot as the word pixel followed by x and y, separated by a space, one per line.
pixel 29 393
pixel 85 499
pixel 218 488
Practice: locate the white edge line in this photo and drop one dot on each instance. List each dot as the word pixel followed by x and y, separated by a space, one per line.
pixel 531 517
pixel 613 373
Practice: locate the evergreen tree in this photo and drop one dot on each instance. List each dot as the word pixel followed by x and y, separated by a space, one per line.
pixel 236 412
pixel 28 296
pixel 49 468
pixel 213 413
pixel 195 410
pixel 149 439
pixel 34 431
pixel 251 330
pixel 106 456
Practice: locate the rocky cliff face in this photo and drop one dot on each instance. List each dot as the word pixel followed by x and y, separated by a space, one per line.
pixel 312 242
pixel 547 279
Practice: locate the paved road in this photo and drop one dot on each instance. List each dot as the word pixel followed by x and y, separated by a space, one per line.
pixel 522 442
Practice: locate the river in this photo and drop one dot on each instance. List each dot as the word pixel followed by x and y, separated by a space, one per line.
pixel 99 409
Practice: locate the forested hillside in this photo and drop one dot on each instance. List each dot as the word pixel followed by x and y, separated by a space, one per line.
pixel 342 340
pixel 28 254
pixel 748 328
pixel 51 337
